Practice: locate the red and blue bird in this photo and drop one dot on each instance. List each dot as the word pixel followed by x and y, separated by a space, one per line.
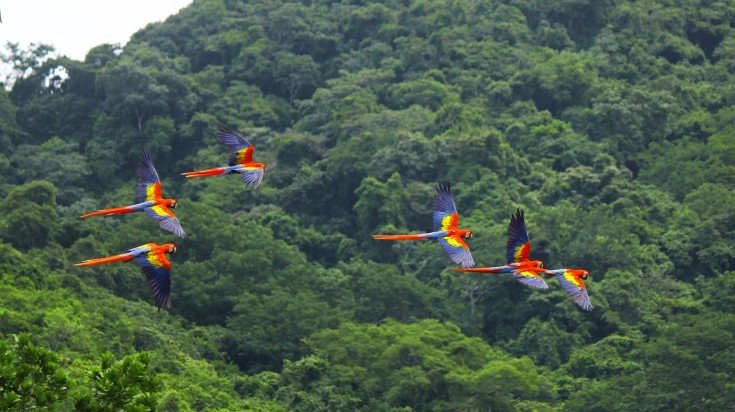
pixel 151 258
pixel 150 199
pixel 240 160
pixel 517 255
pixel 571 281
pixel 446 229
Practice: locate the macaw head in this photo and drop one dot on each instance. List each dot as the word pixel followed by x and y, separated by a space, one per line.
pixel 171 203
pixel 171 247
pixel 582 274
pixel 466 234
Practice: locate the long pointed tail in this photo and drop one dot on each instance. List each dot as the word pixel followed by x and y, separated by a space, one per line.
pixel 217 171
pixel 477 270
pixel 113 211
pixel 110 259
pixel 400 237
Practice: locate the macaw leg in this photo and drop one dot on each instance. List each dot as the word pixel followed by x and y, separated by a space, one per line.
pixel 217 171
pixel 110 259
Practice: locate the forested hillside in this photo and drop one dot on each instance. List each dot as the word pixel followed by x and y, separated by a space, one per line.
pixel 610 123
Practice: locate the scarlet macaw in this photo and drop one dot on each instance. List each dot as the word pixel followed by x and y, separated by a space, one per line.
pixel 517 255
pixel 446 230
pixel 241 160
pixel 151 258
pixel 148 194
pixel 571 281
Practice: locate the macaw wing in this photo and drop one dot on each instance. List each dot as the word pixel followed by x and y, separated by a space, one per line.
pixel 518 247
pixel 242 150
pixel 531 279
pixel 149 185
pixel 252 176
pixel 157 271
pixel 457 250
pixel 576 289
pixel 445 212
pixel 166 219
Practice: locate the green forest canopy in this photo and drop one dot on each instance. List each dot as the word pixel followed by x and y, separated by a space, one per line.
pixel 610 123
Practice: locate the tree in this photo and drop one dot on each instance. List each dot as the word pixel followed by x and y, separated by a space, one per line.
pixel 30 376
pixel 124 385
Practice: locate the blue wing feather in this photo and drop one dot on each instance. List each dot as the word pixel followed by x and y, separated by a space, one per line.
pixel 579 295
pixel 517 235
pixel 459 255
pixel 146 174
pixel 168 223
pixel 233 140
pixel 531 279
pixel 158 279
pixel 252 177
pixel 443 204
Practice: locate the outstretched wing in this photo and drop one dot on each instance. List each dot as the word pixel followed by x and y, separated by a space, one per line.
pixel 457 250
pixel 445 212
pixel 157 271
pixel 166 219
pixel 149 185
pixel 242 150
pixel 518 247
pixel 252 176
pixel 575 288
pixel 531 279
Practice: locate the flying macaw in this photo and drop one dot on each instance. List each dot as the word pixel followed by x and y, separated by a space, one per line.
pixel 446 230
pixel 151 258
pixel 240 161
pixel 517 254
pixel 148 194
pixel 571 281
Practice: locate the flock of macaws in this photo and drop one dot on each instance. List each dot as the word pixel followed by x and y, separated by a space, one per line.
pixel 517 255
pixel 151 257
pixel 156 267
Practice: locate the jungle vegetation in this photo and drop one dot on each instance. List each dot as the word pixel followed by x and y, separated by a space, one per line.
pixel 610 123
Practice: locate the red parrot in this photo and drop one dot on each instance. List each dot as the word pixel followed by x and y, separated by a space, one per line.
pixel 241 160
pixel 571 281
pixel 446 230
pixel 517 255
pixel 151 258
pixel 148 194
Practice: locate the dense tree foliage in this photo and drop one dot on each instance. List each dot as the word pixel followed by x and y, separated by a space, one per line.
pixel 610 123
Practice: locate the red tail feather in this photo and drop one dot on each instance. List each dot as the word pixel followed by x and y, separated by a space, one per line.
pixel 399 237
pixel 100 261
pixel 108 212
pixel 204 173
pixel 476 270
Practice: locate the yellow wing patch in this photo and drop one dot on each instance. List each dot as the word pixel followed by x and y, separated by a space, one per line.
pixel 153 191
pixel 162 211
pixel 453 241
pixel 573 280
pixel 154 260
pixel 449 221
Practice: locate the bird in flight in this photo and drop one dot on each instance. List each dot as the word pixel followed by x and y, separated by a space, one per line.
pixel 517 255
pixel 149 198
pixel 446 229
pixel 571 281
pixel 240 160
pixel 151 258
